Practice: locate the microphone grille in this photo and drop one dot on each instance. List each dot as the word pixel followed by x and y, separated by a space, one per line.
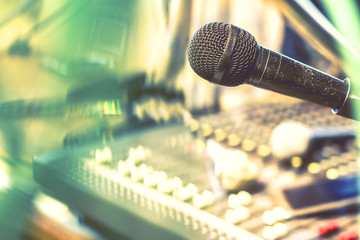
pixel 208 45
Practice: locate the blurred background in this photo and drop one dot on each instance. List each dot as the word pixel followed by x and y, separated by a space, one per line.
pixel 103 122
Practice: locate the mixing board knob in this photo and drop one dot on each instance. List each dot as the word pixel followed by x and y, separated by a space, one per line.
pixel 248 145
pixel 269 233
pixel 223 238
pixel 103 155
pixel 245 198
pixel 135 174
pixel 270 217
pixel 263 150
pixel 170 185
pixel 233 140
pixel 233 201
pixel 138 155
pixel 213 235
pixel 132 154
pixel 124 168
pixel 138 173
pixel 98 155
pixel 204 229
pixel 349 235
pixel 329 227
pixel 186 193
pixel 194 125
pixel 200 146
pixel 141 153
pixel 242 198
pixel 195 224
pixel 205 199
pixel 277 231
pixel 206 130
pixel 237 215
pixel 220 135
pixel 281 214
pixel 280 229
pixel 155 178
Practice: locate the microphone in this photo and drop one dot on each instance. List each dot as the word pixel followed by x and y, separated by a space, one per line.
pixel 227 55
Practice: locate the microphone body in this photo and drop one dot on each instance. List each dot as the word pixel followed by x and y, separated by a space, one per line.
pixel 279 73
pixel 227 55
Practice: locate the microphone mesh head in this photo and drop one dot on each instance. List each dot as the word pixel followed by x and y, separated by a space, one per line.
pixel 208 45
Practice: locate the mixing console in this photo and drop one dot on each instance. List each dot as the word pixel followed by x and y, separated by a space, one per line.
pixel 216 178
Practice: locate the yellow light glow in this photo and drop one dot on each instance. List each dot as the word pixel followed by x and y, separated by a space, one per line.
pixel 263 150
pixel 332 173
pixel 296 162
pixel 106 107
pixel 220 135
pixel 248 145
pixel 233 140
pixel 206 129
pixel 194 125
pixel 314 168
pixel 4 180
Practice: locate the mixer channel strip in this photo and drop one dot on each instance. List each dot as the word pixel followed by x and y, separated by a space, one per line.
pixel 164 180
pixel 75 178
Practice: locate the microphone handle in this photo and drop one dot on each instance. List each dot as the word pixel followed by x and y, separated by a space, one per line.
pixel 282 74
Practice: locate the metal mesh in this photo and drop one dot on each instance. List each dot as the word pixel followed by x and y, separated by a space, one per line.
pixel 207 46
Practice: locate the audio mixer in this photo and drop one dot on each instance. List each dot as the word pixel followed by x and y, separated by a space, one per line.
pixel 216 177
